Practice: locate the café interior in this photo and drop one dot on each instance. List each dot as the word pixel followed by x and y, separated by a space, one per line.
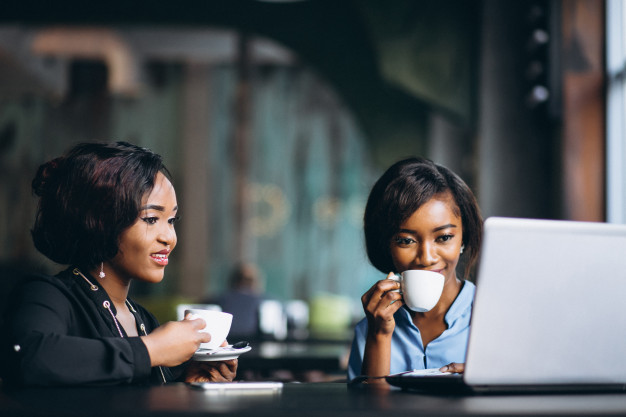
pixel 275 117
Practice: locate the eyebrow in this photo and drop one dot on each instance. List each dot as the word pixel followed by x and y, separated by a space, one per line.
pixel 436 229
pixel 156 207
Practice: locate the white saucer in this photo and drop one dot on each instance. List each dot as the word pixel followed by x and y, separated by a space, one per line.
pixel 220 354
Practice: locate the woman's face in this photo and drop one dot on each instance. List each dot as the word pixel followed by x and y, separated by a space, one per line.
pixel 430 239
pixel 145 246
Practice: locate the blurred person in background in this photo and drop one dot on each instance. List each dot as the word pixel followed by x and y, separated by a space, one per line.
pixel 243 300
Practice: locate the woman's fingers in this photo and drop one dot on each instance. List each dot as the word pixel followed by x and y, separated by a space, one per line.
pixel 198 324
pixel 212 371
pixel 382 297
pixel 379 290
pixel 380 303
pixel 453 367
pixel 175 342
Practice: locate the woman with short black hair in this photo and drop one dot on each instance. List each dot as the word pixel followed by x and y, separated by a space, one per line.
pixel 419 215
pixel 108 211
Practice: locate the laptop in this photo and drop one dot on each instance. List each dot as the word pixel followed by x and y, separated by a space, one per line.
pixel 549 313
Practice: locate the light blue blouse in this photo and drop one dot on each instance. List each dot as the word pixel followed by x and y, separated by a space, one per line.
pixel 407 350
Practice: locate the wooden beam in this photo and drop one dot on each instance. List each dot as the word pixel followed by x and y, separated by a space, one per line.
pixel 584 164
pixel 194 231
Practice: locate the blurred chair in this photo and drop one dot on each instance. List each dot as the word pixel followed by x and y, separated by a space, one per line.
pixel 272 320
pixel 180 308
pixel 297 318
pixel 331 316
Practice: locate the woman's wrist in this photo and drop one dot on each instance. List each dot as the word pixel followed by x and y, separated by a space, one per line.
pixel 379 337
pixel 377 355
pixel 154 359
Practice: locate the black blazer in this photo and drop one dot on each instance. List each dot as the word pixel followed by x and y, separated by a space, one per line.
pixel 57 331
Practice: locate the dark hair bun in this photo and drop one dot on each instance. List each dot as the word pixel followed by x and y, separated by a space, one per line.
pixel 46 176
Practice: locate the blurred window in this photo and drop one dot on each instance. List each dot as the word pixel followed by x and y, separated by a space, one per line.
pixel 616 111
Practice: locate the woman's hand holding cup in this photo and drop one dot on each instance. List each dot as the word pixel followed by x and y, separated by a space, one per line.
pixel 217 324
pixel 175 342
pixel 380 304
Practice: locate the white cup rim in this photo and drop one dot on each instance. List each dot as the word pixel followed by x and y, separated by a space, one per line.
pixel 400 275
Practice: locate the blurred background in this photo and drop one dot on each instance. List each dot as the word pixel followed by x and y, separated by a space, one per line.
pixel 276 117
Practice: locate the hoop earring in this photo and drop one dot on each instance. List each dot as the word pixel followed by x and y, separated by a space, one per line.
pixel 102 274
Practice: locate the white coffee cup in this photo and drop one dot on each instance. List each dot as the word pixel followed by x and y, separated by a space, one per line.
pixel 420 289
pixel 217 325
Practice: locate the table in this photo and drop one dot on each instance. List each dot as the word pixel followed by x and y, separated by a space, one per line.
pixel 301 399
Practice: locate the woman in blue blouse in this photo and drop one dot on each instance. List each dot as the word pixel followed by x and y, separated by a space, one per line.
pixel 419 215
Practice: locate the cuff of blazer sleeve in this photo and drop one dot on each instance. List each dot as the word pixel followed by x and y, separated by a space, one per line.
pixel 141 359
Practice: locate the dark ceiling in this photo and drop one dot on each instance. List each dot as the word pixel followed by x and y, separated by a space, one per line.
pixel 335 37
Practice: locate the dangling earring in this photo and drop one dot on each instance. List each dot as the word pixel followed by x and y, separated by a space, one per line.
pixel 102 274
pixel 462 248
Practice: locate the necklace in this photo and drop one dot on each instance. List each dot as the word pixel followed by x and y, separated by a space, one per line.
pixel 107 305
pixel 93 287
